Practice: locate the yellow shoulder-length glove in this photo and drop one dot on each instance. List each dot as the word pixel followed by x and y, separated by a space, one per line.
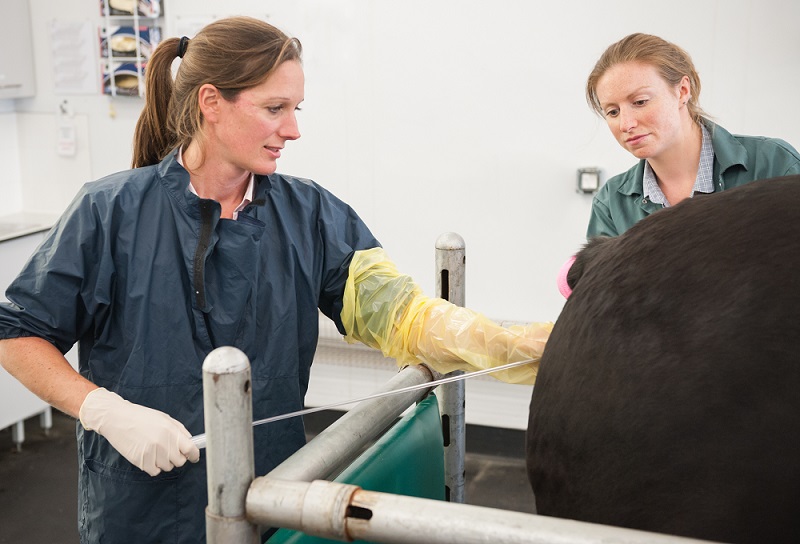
pixel 387 310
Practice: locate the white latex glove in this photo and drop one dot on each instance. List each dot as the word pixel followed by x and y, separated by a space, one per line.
pixel 150 439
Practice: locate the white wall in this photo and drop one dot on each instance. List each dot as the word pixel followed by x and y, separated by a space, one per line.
pixel 10 179
pixel 449 115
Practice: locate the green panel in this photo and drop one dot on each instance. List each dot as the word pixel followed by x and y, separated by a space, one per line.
pixel 407 460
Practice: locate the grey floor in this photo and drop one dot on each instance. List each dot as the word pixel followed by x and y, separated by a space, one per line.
pixel 38 485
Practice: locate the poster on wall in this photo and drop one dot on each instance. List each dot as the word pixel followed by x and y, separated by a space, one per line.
pixel 73 54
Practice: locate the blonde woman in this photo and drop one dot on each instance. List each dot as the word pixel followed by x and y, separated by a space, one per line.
pixel 648 91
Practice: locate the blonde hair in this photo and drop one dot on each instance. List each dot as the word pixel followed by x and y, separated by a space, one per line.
pixel 232 54
pixel 671 61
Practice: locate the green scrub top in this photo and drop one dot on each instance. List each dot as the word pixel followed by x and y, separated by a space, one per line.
pixel 620 202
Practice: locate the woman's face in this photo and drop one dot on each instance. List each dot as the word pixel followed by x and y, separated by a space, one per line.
pixel 251 131
pixel 643 111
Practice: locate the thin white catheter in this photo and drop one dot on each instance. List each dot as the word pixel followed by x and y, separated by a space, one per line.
pixel 200 439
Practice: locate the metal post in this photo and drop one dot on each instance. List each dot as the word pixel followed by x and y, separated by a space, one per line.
pixel 228 405
pixel 18 434
pixel 346 512
pixel 46 420
pixel 450 285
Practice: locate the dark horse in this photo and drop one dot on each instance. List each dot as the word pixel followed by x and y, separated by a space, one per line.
pixel 668 397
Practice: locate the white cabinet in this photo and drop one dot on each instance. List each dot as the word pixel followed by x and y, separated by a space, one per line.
pixel 16 50
pixel 16 402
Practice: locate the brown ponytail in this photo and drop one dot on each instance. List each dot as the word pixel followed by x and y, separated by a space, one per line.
pixel 152 141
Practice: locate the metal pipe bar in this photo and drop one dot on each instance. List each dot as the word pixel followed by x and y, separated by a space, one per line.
pixel 335 447
pixel 345 512
pixel 228 413
pixel 46 420
pixel 451 286
pixel 18 434
pixel 312 507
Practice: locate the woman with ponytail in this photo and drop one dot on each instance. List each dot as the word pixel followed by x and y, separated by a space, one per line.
pixel 202 245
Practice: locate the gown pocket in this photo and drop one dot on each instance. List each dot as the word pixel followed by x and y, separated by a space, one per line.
pixel 129 505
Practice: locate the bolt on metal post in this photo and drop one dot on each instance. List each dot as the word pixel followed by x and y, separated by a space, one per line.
pixel 450 285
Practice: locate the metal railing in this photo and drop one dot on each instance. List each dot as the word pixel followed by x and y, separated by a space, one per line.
pixel 346 512
pixel 338 445
pixel 292 495
pixel 296 496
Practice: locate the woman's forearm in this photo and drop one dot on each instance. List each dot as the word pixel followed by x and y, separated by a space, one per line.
pixel 40 367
